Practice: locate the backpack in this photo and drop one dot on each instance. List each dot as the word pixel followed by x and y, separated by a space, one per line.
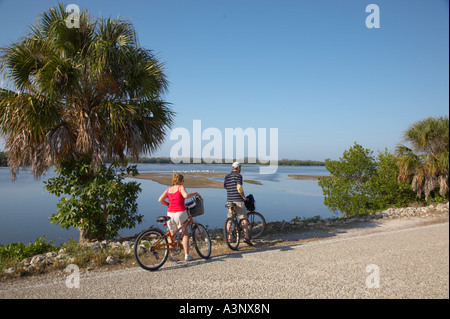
pixel 250 203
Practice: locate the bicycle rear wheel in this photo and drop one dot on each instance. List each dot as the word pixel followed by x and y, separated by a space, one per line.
pixel 256 224
pixel 151 249
pixel 231 233
pixel 202 242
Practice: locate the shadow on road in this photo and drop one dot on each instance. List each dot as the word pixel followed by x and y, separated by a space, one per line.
pixel 280 241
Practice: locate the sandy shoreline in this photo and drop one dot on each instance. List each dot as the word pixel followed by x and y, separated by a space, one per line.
pixel 191 179
pixel 203 179
pixel 306 177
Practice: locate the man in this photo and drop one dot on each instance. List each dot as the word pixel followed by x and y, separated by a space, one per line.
pixel 235 194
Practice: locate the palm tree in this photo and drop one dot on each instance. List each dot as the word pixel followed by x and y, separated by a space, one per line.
pixel 426 164
pixel 81 91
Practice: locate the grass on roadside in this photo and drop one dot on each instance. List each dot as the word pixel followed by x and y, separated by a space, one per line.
pixel 19 256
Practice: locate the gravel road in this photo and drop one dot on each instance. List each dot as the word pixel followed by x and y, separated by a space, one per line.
pixel 403 258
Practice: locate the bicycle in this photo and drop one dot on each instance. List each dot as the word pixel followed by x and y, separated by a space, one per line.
pixel 152 246
pixel 233 230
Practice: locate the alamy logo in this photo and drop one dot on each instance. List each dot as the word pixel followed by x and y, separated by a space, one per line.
pixel 373 19
pixel 73 280
pixel 190 147
pixel 73 20
pixel 373 279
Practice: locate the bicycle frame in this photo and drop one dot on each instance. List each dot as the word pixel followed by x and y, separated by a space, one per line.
pixel 174 243
pixel 252 226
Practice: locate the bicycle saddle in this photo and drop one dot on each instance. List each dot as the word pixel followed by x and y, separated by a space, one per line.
pixel 230 205
pixel 162 219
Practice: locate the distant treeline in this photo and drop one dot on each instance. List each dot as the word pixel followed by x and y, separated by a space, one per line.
pixel 3 159
pixel 153 160
pixel 300 163
pixel 167 160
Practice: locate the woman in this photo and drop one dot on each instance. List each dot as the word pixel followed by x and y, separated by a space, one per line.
pixel 176 194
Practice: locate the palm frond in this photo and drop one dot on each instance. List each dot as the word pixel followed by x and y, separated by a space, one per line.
pixel 80 91
pixel 426 163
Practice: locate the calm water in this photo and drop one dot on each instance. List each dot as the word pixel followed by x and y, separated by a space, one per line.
pixel 25 208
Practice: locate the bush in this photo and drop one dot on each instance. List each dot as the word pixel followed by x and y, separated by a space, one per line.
pixel 384 187
pixel 360 184
pixel 100 203
pixel 21 251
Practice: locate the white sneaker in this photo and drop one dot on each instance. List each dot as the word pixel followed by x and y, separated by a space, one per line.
pixel 188 257
pixel 173 258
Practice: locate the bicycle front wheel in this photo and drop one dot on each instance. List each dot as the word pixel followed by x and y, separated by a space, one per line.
pixel 231 233
pixel 151 249
pixel 202 242
pixel 256 224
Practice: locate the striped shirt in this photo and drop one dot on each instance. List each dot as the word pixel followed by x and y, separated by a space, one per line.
pixel 230 183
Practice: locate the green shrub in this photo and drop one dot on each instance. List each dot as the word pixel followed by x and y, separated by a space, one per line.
pixel 21 251
pixel 100 203
pixel 361 184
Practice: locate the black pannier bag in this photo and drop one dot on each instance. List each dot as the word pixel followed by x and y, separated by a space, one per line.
pixel 250 203
pixel 195 207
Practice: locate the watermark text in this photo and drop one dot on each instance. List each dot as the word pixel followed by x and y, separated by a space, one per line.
pixel 373 279
pixel 373 19
pixel 231 145
pixel 73 20
pixel 73 280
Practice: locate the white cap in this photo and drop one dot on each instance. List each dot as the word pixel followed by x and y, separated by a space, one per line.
pixel 236 165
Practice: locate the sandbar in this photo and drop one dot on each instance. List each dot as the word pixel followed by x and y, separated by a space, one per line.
pixel 306 177
pixel 191 179
pixel 203 179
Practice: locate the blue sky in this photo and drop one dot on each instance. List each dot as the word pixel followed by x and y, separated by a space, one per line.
pixel 310 68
